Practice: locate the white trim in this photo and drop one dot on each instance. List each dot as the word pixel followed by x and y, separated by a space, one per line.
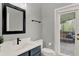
pixel 57 44
pixel 72 7
pixel 68 6
pixel 67 12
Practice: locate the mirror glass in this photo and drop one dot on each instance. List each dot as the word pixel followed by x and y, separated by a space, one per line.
pixel 14 19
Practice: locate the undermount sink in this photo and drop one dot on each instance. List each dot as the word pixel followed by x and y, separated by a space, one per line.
pixel 23 45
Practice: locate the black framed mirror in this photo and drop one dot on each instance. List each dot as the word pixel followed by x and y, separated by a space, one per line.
pixel 13 19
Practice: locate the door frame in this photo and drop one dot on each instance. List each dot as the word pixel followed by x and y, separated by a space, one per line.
pixel 57 12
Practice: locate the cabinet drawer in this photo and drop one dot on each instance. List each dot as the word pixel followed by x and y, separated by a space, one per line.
pixel 35 50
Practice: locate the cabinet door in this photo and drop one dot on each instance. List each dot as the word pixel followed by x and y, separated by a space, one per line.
pixel 38 54
pixel 24 54
pixel 35 51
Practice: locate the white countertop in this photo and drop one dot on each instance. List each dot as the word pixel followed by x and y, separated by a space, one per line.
pixel 11 49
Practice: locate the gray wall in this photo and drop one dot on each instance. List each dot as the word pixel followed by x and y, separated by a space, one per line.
pixel 48 22
pixel 32 12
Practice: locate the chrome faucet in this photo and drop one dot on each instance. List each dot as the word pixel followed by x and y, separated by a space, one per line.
pixel 18 41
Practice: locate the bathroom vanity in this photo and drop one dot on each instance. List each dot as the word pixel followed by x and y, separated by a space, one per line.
pixel 33 52
pixel 12 15
pixel 24 49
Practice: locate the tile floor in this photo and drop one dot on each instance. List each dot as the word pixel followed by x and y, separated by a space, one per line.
pixel 67 48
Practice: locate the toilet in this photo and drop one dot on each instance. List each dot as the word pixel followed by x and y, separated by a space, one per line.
pixel 48 52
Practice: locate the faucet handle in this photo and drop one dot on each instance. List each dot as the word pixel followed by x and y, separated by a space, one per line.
pixel 18 39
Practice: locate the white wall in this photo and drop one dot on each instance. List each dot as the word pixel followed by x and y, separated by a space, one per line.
pixel 48 22
pixel 32 12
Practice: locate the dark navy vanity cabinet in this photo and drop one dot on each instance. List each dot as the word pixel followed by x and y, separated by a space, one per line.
pixel 33 52
pixel 24 54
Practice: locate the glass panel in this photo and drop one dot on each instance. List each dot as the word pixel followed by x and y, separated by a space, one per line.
pixel 67 33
